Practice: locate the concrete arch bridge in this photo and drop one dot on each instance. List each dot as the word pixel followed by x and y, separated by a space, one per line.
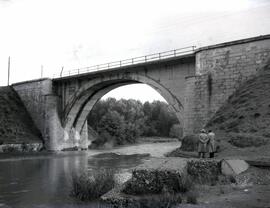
pixel 195 83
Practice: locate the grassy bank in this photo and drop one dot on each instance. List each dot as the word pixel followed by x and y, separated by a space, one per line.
pixel 16 125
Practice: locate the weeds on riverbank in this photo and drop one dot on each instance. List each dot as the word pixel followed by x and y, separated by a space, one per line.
pixel 90 187
pixel 166 200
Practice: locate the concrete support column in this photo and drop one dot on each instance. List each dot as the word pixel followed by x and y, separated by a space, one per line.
pixel 84 136
pixel 189 105
pixel 54 132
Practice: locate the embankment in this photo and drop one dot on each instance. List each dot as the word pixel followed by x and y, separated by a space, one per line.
pixel 17 130
pixel 242 123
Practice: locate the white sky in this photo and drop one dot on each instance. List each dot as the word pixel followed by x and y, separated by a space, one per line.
pixel 79 33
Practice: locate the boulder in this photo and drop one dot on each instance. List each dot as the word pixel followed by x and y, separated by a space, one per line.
pixel 233 167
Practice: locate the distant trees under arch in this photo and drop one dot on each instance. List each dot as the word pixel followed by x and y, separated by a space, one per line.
pixel 123 121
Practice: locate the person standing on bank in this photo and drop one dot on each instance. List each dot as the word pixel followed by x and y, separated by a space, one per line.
pixel 211 144
pixel 202 147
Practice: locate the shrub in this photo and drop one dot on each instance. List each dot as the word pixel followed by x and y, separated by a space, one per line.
pixel 9 148
pixel 157 182
pixel 189 143
pixel 204 171
pixel 247 140
pixel 90 187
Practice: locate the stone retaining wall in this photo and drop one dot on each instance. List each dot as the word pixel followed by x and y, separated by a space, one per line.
pixel 220 70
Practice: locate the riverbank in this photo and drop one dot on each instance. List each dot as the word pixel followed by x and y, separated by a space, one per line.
pixel 24 175
pixel 52 173
pixel 210 186
pixel 154 149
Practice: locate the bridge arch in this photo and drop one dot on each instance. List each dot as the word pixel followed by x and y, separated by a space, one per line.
pixel 82 102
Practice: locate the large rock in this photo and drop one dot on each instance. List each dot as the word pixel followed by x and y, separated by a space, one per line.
pixel 156 176
pixel 233 167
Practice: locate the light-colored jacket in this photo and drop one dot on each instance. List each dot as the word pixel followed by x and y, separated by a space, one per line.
pixel 211 142
pixel 203 140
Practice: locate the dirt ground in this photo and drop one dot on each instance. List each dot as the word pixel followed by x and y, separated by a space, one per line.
pixel 252 187
pixel 252 190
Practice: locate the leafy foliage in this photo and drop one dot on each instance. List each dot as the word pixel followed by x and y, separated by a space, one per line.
pixel 123 121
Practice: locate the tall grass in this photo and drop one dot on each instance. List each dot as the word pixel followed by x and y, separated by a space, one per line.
pixel 91 186
pixel 166 200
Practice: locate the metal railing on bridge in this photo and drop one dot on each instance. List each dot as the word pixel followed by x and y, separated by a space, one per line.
pixel 129 62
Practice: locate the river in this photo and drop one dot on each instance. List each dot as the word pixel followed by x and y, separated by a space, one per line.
pixel 44 181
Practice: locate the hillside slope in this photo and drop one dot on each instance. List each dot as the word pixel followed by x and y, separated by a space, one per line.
pixel 244 120
pixel 16 126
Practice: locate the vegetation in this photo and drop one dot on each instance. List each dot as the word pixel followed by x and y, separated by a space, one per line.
pixel 245 117
pixel 16 126
pixel 123 121
pixel 165 200
pixel 90 187
pixel 247 140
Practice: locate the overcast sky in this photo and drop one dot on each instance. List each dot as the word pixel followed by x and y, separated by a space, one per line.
pixel 79 33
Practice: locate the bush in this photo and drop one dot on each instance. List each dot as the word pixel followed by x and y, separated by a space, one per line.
pixel 190 143
pixel 157 182
pixel 9 148
pixel 204 171
pixel 90 187
pixel 247 140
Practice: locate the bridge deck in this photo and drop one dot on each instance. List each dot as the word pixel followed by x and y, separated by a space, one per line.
pixel 166 56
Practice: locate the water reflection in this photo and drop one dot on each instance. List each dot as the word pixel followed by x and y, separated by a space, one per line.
pixel 45 182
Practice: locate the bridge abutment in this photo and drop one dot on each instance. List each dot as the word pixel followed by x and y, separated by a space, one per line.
pixel 220 70
pixel 43 106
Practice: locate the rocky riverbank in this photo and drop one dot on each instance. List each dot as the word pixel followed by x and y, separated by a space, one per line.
pixel 9 148
pixel 192 181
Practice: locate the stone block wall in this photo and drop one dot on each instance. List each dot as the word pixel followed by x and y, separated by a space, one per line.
pixel 33 93
pixel 43 106
pixel 220 70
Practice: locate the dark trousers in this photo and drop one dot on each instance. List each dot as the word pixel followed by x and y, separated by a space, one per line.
pixel 211 154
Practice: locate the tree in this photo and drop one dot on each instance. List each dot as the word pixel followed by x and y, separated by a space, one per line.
pixel 123 121
pixel 112 123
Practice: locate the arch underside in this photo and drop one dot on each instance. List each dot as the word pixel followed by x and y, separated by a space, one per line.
pixel 80 105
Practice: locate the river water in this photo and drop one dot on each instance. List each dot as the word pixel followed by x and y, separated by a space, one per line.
pixel 44 181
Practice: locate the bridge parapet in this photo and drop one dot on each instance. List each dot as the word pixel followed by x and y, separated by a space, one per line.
pixel 155 57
